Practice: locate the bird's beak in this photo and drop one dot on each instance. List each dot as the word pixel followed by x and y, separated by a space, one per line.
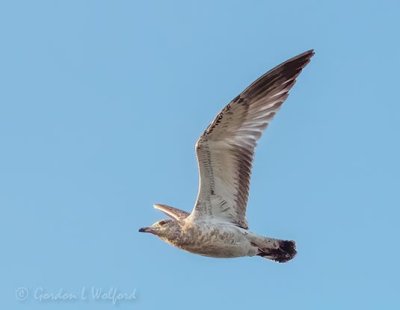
pixel 146 230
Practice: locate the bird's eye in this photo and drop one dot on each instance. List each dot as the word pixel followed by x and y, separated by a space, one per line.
pixel 162 223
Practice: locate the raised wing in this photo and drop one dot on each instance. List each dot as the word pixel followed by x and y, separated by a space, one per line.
pixel 172 212
pixel 225 150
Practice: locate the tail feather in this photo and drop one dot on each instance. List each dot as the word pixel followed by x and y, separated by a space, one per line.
pixel 283 251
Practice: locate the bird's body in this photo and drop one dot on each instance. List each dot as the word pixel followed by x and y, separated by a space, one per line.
pixel 214 239
pixel 217 226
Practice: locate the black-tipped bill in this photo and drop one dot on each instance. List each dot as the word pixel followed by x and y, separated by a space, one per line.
pixel 145 229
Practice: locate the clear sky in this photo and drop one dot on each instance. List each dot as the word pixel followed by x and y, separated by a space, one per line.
pixel 101 104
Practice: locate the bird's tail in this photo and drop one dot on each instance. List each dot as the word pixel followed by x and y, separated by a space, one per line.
pixel 278 250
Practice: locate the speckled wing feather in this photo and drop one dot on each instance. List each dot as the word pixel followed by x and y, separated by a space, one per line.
pixel 225 150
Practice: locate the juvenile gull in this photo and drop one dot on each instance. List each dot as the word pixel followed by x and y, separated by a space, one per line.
pixel 217 225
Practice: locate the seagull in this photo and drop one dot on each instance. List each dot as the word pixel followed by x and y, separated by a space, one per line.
pixel 217 225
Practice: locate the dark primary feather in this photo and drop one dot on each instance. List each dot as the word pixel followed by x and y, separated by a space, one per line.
pixel 225 150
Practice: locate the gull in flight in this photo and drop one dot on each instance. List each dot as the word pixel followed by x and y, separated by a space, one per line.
pixel 217 226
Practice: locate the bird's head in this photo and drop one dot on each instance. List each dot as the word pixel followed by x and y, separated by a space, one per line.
pixel 165 229
pixel 168 229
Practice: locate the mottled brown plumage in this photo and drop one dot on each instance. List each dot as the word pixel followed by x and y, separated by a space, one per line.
pixel 217 225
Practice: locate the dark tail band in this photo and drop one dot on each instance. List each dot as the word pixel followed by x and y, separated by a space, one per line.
pixel 285 252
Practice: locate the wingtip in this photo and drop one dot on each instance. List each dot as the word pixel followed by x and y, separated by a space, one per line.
pixel 304 58
pixel 311 51
pixel 299 61
pixel 157 205
pixel 308 53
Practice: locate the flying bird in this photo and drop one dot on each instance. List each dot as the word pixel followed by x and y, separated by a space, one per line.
pixel 217 226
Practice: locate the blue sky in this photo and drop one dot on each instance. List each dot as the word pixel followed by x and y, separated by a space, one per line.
pixel 101 103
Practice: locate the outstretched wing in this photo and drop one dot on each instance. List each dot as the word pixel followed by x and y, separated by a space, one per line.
pixel 225 150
